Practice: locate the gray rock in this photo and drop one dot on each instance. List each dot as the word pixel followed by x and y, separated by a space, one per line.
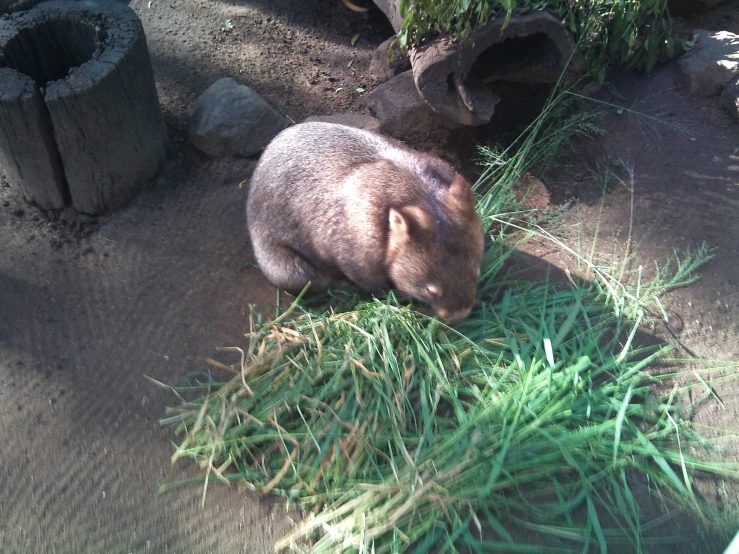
pixel 230 119
pixel 402 112
pixel 714 61
pixel 730 98
pixel 391 10
pixel 359 121
pixel 381 68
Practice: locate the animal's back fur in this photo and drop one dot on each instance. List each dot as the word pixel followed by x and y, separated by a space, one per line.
pixel 324 190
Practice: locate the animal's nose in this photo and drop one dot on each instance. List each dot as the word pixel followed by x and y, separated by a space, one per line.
pixel 456 315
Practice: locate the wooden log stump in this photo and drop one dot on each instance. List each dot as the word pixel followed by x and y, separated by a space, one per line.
pixel 28 153
pixel 8 6
pixel 90 64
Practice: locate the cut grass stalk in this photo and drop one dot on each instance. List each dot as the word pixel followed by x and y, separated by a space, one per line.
pixel 493 433
pixel 399 432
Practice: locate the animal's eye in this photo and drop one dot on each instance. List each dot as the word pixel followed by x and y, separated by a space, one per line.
pixel 434 291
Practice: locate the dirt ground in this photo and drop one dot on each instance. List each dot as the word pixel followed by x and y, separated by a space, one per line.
pixel 90 305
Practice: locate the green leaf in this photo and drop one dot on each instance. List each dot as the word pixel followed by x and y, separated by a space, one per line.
pixel 595 522
pixel 620 420
pixel 354 39
pixel 360 90
pixel 601 75
pixel 351 63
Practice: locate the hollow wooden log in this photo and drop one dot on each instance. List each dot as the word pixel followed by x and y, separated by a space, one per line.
pixel 90 62
pixel 456 78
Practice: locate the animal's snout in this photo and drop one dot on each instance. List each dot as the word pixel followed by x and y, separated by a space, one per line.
pixel 451 316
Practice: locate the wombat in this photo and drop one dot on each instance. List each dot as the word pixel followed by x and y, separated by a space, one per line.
pixel 328 201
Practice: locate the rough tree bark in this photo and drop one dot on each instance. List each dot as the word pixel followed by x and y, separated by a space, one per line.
pixel 454 77
pixel 90 62
pixel 28 154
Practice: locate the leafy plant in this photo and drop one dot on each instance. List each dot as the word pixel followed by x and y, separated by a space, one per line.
pixel 635 33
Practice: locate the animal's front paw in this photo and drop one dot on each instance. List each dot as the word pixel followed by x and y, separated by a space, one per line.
pixel 342 284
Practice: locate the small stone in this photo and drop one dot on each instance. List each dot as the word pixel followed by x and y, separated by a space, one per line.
pixel 730 98
pixel 714 61
pixel 402 112
pixel 359 121
pixel 230 119
pixel 381 68
pixel 18 212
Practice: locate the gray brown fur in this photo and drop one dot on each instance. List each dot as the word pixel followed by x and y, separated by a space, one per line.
pixel 328 201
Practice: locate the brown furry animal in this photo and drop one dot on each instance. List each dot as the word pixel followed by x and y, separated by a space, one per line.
pixel 328 201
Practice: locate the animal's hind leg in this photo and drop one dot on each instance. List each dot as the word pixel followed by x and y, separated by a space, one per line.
pixel 289 271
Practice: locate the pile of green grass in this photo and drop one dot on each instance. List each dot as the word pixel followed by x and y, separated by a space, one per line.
pixel 398 433
pixel 635 33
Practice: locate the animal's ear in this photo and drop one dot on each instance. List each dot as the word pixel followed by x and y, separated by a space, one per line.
pixel 400 231
pixel 398 222
pixel 459 195
pixel 408 221
pixel 418 218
